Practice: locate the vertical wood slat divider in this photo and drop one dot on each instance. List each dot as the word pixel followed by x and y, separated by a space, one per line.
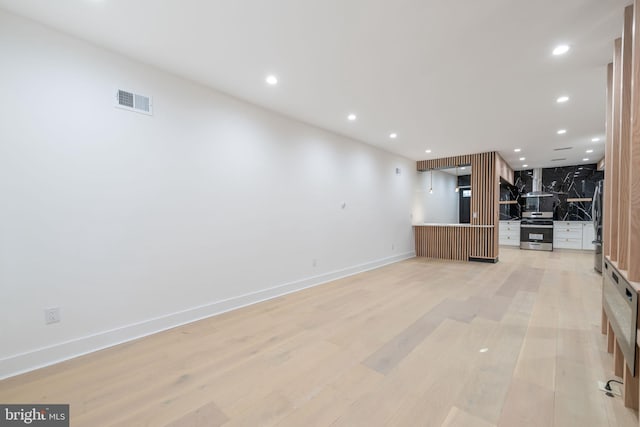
pixel 615 150
pixel 624 148
pixel 618 360
pixel 607 223
pixel 634 143
pixel 621 228
pixel 460 243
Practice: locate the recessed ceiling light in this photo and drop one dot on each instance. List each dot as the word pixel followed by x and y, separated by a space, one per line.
pixel 561 49
pixel 351 117
pixel 589 151
pixel 517 150
pixel 272 80
pixel 393 135
pixel 523 158
pixel 427 151
pixel 595 139
pixel 562 131
pixel 463 168
pixel 483 350
pixel 524 166
pixel 585 159
pixel 562 99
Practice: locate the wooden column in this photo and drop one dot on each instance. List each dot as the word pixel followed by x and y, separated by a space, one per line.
pixel 611 339
pixel 634 143
pixel 624 148
pixel 615 148
pixel 607 223
pixel 618 360
pixel 631 386
pixel 614 188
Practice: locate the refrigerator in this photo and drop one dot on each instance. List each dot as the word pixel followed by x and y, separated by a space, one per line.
pixel 597 208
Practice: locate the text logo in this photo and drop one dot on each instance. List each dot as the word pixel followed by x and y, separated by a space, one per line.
pixel 34 415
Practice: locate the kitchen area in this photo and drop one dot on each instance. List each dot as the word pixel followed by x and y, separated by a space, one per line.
pixel 553 208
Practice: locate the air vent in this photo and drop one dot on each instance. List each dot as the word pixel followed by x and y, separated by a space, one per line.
pixel 558 160
pixel 562 148
pixel 134 102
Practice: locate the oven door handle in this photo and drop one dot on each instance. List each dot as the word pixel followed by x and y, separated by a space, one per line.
pixel 536 226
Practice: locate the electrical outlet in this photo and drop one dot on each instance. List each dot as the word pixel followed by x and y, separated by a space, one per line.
pixel 51 315
pixel 393 247
pixel 314 262
pixel 615 388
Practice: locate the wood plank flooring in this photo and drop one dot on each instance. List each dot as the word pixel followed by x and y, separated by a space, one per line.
pixel 397 346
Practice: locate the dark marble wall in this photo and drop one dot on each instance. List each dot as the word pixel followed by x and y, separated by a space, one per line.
pixel 564 183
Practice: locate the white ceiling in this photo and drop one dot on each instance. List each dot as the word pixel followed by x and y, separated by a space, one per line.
pixel 455 77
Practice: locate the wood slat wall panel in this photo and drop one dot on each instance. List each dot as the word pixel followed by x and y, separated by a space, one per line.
pixel 634 143
pixel 615 149
pixel 465 242
pixel 462 242
pixel 624 147
pixel 608 171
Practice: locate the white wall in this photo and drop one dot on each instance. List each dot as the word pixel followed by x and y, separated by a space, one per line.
pixel 441 206
pixel 132 224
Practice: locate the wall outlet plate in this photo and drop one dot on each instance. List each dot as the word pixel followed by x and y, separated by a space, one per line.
pixel 51 315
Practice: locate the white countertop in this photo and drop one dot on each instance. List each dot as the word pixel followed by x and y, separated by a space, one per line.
pixel 429 224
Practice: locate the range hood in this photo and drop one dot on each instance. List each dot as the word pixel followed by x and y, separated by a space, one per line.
pixel 537 185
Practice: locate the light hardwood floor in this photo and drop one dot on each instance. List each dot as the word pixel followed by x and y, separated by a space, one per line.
pixel 399 345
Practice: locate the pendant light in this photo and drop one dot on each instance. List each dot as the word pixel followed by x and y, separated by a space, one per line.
pixel 431 186
pixel 457 180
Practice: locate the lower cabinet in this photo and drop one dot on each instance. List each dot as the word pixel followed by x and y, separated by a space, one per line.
pixel 588 236
pixel 509 233
pixel 572 235
pixel 566 234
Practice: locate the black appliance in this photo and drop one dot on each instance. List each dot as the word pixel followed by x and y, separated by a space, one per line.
pixel 597 209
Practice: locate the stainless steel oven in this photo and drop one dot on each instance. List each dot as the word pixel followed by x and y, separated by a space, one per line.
pixel 536 234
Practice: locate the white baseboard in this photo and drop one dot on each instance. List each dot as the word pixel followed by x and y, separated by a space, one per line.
pixel 45 356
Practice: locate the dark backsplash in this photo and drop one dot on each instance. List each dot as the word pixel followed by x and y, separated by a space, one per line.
pixel 569 182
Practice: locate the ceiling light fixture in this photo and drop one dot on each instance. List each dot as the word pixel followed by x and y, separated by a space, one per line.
pixel 523 158
pixel 585 159
pixel 272 80
pixel 595 139
pixel 589 151
pixel 393 135
pixel 517 150
pixel 562 99
pixel 427 151
pixel 351 117
pixel 562 132
pixel 524 166
pixel 561 49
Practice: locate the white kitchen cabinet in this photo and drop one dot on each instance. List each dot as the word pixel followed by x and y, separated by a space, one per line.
pixel 573 235
pixel 588 236
pixel 509 233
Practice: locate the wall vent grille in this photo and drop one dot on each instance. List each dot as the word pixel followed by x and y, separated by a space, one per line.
pixel 134 102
